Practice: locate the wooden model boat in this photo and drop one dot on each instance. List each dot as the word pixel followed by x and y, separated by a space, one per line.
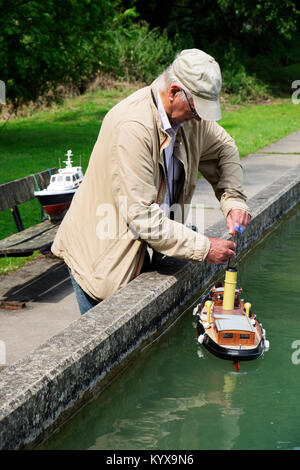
pixel 227 327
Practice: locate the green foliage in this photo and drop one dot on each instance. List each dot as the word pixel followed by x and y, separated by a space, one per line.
pixel 210 20
pixel 238 82
pixel 278 76
pixel 261 15
pixel 134 52
pixel 265 35
pixel 46 43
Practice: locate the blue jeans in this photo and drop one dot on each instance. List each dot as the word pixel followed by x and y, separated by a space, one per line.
pixel 85 302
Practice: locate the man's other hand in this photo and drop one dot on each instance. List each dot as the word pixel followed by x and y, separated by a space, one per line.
pixel 237 220
pixel 220 250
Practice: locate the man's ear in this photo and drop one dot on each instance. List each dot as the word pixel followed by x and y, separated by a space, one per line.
pixel 173 90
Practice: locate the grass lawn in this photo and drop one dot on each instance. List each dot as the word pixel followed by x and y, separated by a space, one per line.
pixel 30 145
pixel 255 126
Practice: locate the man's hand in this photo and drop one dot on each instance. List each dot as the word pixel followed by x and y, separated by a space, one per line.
pixel 220 250
pixel 237 218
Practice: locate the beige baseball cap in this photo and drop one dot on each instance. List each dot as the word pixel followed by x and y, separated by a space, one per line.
pixel 201 75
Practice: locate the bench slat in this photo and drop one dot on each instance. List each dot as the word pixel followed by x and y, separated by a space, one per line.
pixel 38 237
pixel 21 190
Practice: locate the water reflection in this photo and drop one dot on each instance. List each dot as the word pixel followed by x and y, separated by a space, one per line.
pixel 172 417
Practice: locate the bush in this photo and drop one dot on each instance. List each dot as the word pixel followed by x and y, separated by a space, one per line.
pixel 134 52
pixel 47 43
pixel 68 42
pixel 240 83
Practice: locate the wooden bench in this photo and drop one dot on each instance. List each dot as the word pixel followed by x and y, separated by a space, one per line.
pixel 38 237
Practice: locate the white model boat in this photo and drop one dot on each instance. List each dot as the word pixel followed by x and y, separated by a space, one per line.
pixel 57 197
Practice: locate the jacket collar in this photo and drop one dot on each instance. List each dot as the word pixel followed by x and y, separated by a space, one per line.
pixel 164 138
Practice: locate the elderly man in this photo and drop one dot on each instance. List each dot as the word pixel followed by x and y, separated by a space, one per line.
pixel 146 159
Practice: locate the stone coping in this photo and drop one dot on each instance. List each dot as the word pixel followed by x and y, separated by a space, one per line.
pixel 41 391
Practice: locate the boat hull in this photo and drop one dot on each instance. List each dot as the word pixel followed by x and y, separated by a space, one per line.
pixel 54 204
pixel 228 353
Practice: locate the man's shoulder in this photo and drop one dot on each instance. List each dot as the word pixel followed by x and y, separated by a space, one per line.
pixel 136 108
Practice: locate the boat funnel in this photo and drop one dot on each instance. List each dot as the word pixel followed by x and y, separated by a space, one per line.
pixel 229 288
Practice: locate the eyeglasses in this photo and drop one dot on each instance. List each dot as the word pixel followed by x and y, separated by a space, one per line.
pixel 193 111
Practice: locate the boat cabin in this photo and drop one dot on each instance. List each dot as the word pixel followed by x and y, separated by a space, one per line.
pixel 61 181
pixel 234 330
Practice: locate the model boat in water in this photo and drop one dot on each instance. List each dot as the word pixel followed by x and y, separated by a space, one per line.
pixel 57 197
pixel 226 325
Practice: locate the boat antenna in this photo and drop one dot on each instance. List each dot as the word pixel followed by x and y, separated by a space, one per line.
pixel 68 162
pixel 80 160
pixel 59 162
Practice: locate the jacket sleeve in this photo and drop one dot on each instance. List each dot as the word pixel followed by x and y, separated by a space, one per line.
pixel 132 179
pixel 221 166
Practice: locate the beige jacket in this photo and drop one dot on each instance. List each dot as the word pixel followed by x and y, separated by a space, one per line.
pixel 116 211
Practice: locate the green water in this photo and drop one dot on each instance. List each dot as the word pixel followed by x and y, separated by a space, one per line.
pixel 177 396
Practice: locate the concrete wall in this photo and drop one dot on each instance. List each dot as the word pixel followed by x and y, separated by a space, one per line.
pixel 39 393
